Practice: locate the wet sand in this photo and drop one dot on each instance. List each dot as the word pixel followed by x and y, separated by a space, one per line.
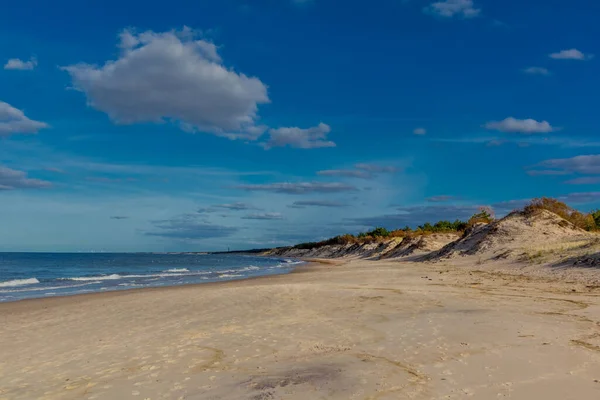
pixel 359 330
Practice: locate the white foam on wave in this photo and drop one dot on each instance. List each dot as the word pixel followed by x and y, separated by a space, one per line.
pixel 230 275
pixel 117 276
pixel 19 282
pixel 287 264
pixel 291 262
pixel 93 278
pixel 165 274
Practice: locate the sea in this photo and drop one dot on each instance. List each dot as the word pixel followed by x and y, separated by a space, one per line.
pixel 34 275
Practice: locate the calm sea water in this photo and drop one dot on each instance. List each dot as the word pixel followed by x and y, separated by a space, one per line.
pixel 28 275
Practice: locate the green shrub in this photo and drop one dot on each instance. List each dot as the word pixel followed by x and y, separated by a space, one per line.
pixel 376 233
pixel 485 215
pixel 596 216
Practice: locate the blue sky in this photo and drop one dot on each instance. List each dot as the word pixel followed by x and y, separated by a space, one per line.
pixel 197 125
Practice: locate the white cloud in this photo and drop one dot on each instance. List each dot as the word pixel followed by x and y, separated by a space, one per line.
pixel 572 54
pixel 238 206
pixel 310 138
pixel 440 199
pixel 584 180
pixel 375 168
pixel 537 71
pixel 18 64
pixel 451 8
pixel 264 216
pixel 11 179
pixel 514 125
pixel 317 203
pixel 363 170
pixel 300 188
pixel 173 76
pixel 585 164
pixel 420 131
pixel 346 173
pixel 189 227
pixel 13 121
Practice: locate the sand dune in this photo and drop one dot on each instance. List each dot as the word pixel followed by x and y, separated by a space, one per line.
pixel 540 238
pixel 390 248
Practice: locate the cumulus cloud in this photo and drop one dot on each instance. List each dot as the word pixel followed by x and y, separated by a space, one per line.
pixel 571 54
pixel 300 188
pixel 173 76
pixel 537 71
pixel 264 216
pixel 527 126
pixel 13 121
pixel 587 164
pixel 317 203
pixel 11 179
pixel 452 8
pixel 189 227
pixel 420 131
pixel 18 64
pixel 310 138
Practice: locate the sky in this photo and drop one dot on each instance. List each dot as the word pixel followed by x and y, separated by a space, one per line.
pixel 235 124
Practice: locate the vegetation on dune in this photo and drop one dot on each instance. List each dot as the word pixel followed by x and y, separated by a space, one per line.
pixel 596 215
pixel 381 234
pixel 485 215
pixel 589 222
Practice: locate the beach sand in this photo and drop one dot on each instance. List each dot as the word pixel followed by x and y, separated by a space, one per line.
pixel 355 330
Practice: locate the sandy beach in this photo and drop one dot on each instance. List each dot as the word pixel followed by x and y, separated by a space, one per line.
pixel 343 330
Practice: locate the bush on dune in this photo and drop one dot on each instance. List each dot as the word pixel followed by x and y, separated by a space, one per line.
pixel 485 216
pixel 584 221
pixel 442 227
pixel 596 215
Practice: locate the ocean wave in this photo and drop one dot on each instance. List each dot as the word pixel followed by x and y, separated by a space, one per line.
pixel 92 278
pixel 39 289
pixel 230 275
pixel 19 282
pixel 113 277
pixel 175 272
pixel 287 264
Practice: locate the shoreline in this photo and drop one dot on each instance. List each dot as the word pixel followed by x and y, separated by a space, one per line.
pixel 115 289
pixel 310 263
